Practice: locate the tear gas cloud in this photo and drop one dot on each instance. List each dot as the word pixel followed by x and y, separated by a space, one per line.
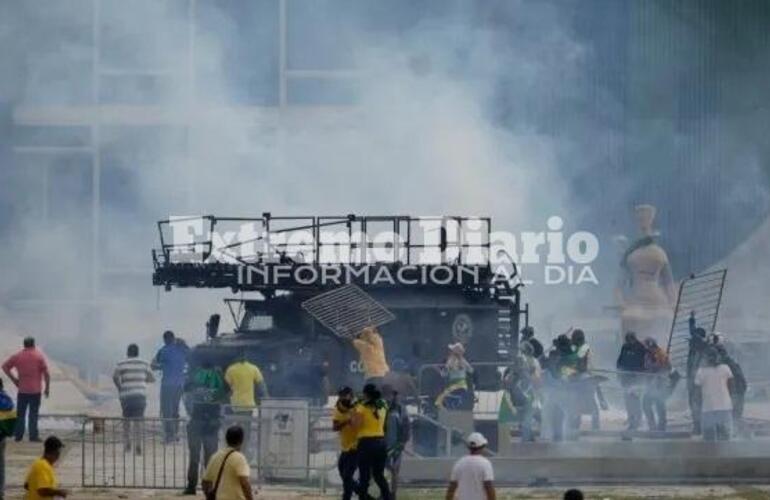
pixel 502 109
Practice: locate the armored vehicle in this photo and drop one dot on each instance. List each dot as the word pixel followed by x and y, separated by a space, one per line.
pixel 433 274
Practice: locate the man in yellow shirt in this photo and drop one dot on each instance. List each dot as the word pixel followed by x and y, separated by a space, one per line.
pixel 41 479
pixel 342 422
pixel 371 349
pixel 227 473
pixel 244 379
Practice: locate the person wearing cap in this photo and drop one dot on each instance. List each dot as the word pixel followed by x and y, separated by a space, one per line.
pixel 371 349
pixel 31 370
pixel 342 423
pixel 369 421
pixel 457 369
pixel 41 481
pixel 472 476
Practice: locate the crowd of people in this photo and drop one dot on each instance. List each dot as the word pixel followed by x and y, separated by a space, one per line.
pixel 207 392
pixel 550 389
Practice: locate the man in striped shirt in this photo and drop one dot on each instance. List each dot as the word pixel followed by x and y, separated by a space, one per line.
pixel 131 378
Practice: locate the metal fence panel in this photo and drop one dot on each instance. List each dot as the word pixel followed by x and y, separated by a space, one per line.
pixel 285 440
pixel 133 453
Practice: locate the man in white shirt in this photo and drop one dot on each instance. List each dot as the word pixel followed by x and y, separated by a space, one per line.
pixel 717 407
pixel 472 475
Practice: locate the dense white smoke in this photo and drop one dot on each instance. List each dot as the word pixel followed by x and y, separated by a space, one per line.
pixel 459 108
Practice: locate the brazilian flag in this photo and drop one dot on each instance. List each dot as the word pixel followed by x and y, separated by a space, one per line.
pixel 7 415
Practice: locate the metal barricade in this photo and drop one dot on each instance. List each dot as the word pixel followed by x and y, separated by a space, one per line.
pixel 287 441
pixel 133 453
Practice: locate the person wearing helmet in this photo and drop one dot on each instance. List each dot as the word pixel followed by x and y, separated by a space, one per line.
pixel 472 476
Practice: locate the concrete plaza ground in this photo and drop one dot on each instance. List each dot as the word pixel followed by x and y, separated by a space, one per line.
pixel 599 493
pixel 20 455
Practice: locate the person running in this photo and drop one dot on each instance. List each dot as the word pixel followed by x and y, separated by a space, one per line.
pixel 131 377
pixel 171 359
pixel 472 476
pixel 342 423
pixel 227 473
pixel 7 426
pixel 397 435
pixel 371 349
pixel 204 394
pixel 369 422
pixel 41 481
pixel 31 369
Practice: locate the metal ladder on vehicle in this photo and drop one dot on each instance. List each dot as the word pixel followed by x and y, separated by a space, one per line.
pixel 505 301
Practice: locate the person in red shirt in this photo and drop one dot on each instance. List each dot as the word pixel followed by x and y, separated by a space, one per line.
pixel 31 369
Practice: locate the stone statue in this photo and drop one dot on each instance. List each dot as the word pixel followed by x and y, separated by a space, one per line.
pixel 646 291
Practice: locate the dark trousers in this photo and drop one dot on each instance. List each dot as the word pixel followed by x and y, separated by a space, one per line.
pixel 372 458
pixel 27 403
pixel 633 407
pixel 133 412
pixel 170 397
pixel 695 398
pixel 394 466
pixel 655 411
pixel 202 436
pixel 347 464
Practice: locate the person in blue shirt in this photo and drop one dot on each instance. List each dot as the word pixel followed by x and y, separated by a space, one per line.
pixel 171 359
